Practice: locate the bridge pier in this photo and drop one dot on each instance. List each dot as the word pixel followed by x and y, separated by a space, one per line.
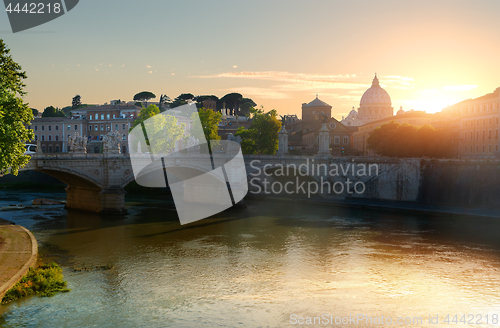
pixel 110 200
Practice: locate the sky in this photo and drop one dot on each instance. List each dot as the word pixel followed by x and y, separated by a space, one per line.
pixel 427 54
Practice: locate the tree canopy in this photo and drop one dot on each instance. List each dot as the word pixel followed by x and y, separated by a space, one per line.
pixel 34 111
pixel 144 96
pixel 182 99
pixel 15 115
pixel 77 101
pixel 51 111
pixel 162 130
pixel 396 140
pixel 262 136
pixel 146 112
pixel 209 124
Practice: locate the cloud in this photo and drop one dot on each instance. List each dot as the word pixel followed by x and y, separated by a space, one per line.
pixel 301 81
pixel 465 87
pixel 266 93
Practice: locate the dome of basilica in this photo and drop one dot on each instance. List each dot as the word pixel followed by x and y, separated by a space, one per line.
pixel 375 95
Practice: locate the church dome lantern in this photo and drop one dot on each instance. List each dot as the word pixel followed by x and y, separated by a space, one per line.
pixel 375 95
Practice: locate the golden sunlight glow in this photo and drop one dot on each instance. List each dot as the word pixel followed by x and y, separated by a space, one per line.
pixel 432 101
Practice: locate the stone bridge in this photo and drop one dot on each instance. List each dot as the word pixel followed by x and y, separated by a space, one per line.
pixel 96 182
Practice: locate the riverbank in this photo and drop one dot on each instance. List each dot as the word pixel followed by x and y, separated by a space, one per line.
pixel 18 252
pixel 392 206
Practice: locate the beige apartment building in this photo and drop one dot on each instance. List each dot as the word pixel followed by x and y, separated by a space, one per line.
pixel 479 125
pixel 91 122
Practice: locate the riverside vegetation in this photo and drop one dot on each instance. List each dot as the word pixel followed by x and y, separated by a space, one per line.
pixel 46 280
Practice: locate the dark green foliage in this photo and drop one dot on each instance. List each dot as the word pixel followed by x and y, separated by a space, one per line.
pixel 35 112
pixel 262 136
pixel 77 101
pixel 51 111
pixel 144 96
pixel 396 140
pixel 46 281
pixel 15 115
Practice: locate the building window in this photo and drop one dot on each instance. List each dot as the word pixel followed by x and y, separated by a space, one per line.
pixel 484 135
pixel 471 136
pixel 90 127
pixel 336 140
pixel 57 148
pixel 68 137
pixel 95 128
pixel 477 135
pixel 50 148
pixel 346 139
pixel 124 150
pixel 43 127
pixel 102 127
pixel 57 127
pixel 43 137
pixel 69 128
pixel 36 127
pixel 483 149
pixel 123 126
pixel 489 134
pixel 107 116
pixel 124 137
pixel 107 127
pixel 116 126
pixel 114 116
pixel 50 137
pixel 496 134
pixel 50 127
pixel 489 148
pixel 36 137
pixel 477 149
pixel 102 116
pixel 465 150
pixel 57 137
pixel 90 117
pixel 76 127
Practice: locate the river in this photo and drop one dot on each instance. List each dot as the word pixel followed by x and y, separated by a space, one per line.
pixel 271 264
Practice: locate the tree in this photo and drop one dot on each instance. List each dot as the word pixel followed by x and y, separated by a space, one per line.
pixel 246 104
pixel 15 115
pixel 232 101
pixel 182 99
pixel 35 112
pixel 262 136
pixel 164 100
pixel 77 101
pixel 162 130
pixel 396 140
pixel 144 96
pixel 51 111
pixel 209 124
pixel 146 112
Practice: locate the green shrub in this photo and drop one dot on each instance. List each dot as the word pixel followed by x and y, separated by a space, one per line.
pixel 46 280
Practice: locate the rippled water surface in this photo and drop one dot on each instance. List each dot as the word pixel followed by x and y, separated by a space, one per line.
pixel 258 266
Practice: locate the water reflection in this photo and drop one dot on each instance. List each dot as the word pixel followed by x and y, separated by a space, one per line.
pixel 257 266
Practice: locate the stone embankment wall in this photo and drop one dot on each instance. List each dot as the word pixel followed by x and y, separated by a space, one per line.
pixel 458 183
pixel 473 184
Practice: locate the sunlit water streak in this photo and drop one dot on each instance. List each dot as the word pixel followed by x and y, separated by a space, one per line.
pixel 255 267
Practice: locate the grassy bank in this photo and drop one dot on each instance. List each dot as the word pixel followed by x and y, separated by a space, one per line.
pixel 31 186
pixel 45 280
